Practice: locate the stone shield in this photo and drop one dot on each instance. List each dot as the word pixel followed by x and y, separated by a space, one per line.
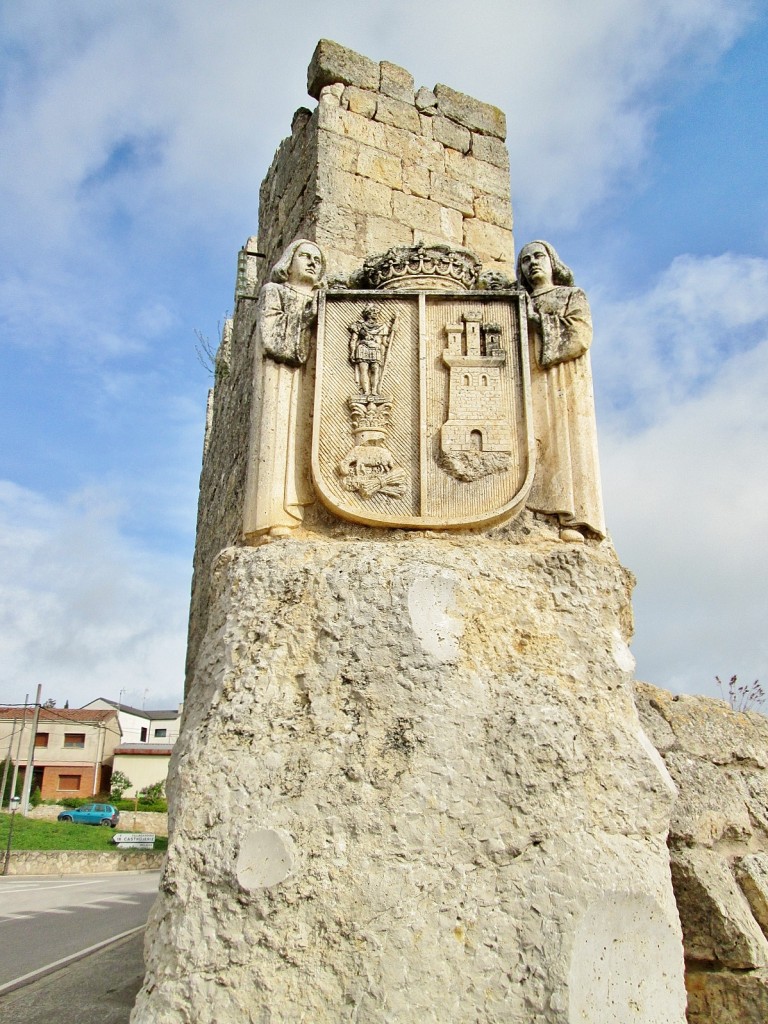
pixel 422 413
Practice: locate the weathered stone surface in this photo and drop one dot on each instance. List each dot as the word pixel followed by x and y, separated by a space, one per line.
pixel 456 195
pixel 490 149
pixel 727 998
pixel 494 211
pixel 718 836
pixel 334 63
pixel 752 875
pixel 82 862
pixel 477 116
pixel 398 114
pixel 451 134
pixel 380 166
pixel 712 804
pixel 483 176
pixel 426 101
pixel 396 82
pixel 359 101
pixel 490 242
pixel 410 788
pixel 717 923
pixel 709 729
pixel 653 721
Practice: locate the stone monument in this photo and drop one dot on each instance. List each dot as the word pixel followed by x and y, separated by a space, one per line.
pixel 411 785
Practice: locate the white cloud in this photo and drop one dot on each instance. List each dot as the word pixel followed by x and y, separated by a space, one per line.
pixel 687 492
pixel 84 611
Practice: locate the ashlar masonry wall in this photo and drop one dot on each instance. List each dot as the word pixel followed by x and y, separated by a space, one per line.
pixel 376 164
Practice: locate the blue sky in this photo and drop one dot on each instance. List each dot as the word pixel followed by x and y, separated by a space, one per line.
pixel 135 135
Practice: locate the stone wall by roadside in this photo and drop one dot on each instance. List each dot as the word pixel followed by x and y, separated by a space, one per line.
pixel 718 845
pixel 82 862
pixel 140 821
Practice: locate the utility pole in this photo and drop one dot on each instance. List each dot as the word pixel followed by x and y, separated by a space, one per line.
pixel 31 755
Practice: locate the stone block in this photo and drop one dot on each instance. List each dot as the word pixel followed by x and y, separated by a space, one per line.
pixel 334 63
pixel 416 212
pixel 712 804
pixel 451 225
pixel 488 239
pixel 426 101
pixel 380 166
pixel 382 234
pixel 360 101
pixel 398 114
pixel 490 149
pixel 477 116
pixel 451 134
pixel 456 194
pixel 337 121
pixel 332 93
pixel 336 225
pixel 424 151
pixel 494 211
pixel 354 191
pixel 484 176
pixel 718 926
pixel 426 125
pixel 396 82
pixel 723 997
pixel 710 729
pixel 752 875
pixel 338 151
pixel 416 180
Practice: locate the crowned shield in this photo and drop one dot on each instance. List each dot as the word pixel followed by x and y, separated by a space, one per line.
pixel 422 413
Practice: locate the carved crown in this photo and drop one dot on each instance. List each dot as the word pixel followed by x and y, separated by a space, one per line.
pixel 435 267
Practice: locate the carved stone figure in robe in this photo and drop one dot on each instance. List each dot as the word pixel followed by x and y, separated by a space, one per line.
pixel 278 484
pixel 567 480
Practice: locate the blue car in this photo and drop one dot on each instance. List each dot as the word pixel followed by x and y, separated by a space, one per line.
pixel 92 814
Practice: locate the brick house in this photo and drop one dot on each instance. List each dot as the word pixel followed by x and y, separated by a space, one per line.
pixel 74 749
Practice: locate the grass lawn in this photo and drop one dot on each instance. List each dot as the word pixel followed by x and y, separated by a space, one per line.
pixel 31 834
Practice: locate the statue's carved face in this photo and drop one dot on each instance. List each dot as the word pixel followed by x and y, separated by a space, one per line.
pixel 536 265
pixel 306 265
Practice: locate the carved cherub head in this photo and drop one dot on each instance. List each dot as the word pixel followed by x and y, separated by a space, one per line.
pixel 531 268
pixel 302 263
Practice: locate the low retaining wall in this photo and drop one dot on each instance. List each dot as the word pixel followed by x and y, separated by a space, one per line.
pixel 82 862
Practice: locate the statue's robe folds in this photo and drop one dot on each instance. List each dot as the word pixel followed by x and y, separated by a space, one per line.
pixel 279 465
pixel 567 479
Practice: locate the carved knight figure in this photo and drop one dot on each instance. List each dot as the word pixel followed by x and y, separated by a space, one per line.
pixel 368 342
pixel 278 485
pixel 567 480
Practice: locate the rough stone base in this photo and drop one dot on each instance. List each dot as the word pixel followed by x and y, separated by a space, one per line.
pixel 412 787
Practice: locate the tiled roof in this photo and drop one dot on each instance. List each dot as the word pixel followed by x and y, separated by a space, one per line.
pixel 77 715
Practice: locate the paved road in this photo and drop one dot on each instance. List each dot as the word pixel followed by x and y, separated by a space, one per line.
pixel 46 920
pixel 99 989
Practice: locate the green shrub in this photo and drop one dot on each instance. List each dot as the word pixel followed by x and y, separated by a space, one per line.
pixel 35 797
pixel 119 784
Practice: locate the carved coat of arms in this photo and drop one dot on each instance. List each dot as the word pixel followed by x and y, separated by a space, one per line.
pixel 422 400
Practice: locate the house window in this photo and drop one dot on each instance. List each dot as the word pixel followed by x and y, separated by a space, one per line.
pixel 160 734
pixel 143 734
pixel 74 739
pixel 41 739
pixel 70 782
